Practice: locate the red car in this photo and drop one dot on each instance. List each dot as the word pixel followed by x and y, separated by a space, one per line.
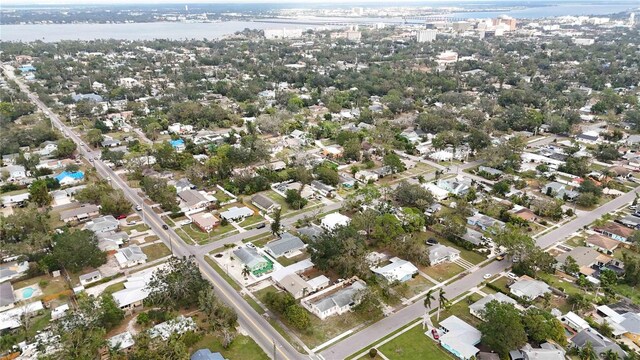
pixel 120 217
pixel 435 334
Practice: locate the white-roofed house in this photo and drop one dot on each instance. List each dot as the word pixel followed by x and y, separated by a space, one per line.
pixel 459 338
pixel 179 325
pixel 103 224
pixel 130 256
pixel 254 261
pixel 397 270
pixel 89 278
pixel 440 253
pixel 236 213
pixel 574 321
pixel 333 220
pixel 336 299
pixel 529 288
pixel 121 341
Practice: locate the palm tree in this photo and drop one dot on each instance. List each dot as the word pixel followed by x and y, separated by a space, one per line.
pixel 587 352
pixel 428 299
pixel 245 271
pixel 442 301
pixel 610 355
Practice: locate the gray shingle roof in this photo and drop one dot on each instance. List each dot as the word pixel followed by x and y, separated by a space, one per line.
pixel 286 243
pixel 6 294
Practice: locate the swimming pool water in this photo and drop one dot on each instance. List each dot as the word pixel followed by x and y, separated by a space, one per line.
pixel 27 293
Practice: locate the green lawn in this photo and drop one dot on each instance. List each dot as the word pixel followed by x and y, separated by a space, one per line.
pixel 413 287
pixel 242 347
pixel 49 285
pixel 253 304
pixel 203 237
pixel 459 309
pixel 254 219
pixel 444 271
pixel 115 287
pixel 156 251
pixel 138 227
pixel 414 344
pixel 558 283
pixel 502 284
pixel 284 261
pixel 632 293
pixel 221 196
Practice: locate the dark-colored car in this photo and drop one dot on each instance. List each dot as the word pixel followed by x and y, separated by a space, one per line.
pixel 165 226
pixel 261 226
pixel 432 241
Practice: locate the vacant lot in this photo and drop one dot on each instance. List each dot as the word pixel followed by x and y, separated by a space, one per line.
pixel 414 344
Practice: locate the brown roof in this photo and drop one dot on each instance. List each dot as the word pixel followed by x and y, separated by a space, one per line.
pixel 617 229
pixel 602 242
pixel 525 214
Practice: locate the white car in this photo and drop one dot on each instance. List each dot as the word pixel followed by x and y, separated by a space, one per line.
pixel 512 276
pixel 186 222
pixel 487 276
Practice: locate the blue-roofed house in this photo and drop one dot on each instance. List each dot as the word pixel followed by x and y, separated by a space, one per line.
pixel 70 177
pixel 27 68
pixel 178 145
pixel 206 354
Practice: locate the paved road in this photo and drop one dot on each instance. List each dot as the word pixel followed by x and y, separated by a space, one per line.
pixel 392 323
pixel 254 324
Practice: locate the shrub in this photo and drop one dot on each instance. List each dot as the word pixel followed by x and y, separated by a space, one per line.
pixel 373 352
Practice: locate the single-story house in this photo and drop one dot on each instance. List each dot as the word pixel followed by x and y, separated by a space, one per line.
pixel 121 341
pixel 473 236
pixel 322 188
pixel 236 213
pixel 102 224
pixel 89 278
pixel 458 186
pixel 130 256
pixel 367 176
pixel 111 241
pixel 333 220
pixel 529 288
pixel 615 231
pixel 179 325
pixel 546 351
pixel 630 221
pixel 288 245
pixel 397 270
pixel 109 142
pixel 459 338
pixel 295 285
pixel 7 298
pixel 440 253
pixel 493 173
pixel 84 212
pixel 10 319
pixel 69 177
pixel 599 342
pixel 255 262
pixel 484 222
pixel 574 321
pixel 15 200
pixel 437 192
pixel 263 203
pixel 477 308
pixel 12 270
pixel 134 292
pixel 206 354
pixel 588 259
pixel 329 302
pixel 560 191
pixel 525 214
pixel 184 184
pixel 205 221
pixel 191 200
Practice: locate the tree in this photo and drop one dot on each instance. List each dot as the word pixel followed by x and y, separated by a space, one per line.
pixel 428 299
pixel 501 187
pixel 541 326
pixel 365 221
pixel 502 330
pixel 517 243
pixel 276 226
pixel 571 266
pixel 114 203
pixel 294 199
pixel 328 175
pixel 297 316
pixel 39 193
pixel 393 162
pixel 110 313
pixel 177 285
pixel 78 249
pixel 94 137
pixel 631 275
pixel 66 147
pixel 351 150
pixel 413 195
pixel 578 301
pixel 342 250
pixel 610 355
pixel 387 228
pixel 587 352
pixel 442 301
pixel 218 315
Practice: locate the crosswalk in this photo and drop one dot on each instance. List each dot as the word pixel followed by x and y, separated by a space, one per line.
pixel 464 263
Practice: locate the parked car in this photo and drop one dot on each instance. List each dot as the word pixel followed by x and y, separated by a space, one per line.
pixel 261 226
pixel 132 222
pixel 500 257
pixel 432 241
pixel 512 276
pixel 435 334
pixel 120 217
pixel 165 226
pixel 138 208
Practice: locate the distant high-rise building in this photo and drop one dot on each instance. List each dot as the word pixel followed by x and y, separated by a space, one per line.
pixel 506 20
pixel 632 19
pixel 358 11
pixel 426 35
pixel 282 33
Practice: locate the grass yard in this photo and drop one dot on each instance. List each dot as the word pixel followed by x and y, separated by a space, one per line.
pixel 114 287
pixel 575 241
pixel 242 347
pixel 221 196
pixel 202 237
pixel 444 271
pixel 413 287
pixel 502 284
pixel 51 287
pixel 320 331
pixel 252 220
pixel 288 261
pixel 226 277
pixel 253 304
pixel 558 283
pixel 414 344
pixel 632 293
pixel 156 251
pixel 138 227
pixel 459 309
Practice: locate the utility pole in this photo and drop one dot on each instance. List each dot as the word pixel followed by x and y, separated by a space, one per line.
pixel 274 349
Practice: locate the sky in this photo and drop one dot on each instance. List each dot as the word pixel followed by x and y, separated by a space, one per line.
pixel 106 2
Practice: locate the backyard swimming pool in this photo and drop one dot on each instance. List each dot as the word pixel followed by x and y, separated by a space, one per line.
pixel 27 292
